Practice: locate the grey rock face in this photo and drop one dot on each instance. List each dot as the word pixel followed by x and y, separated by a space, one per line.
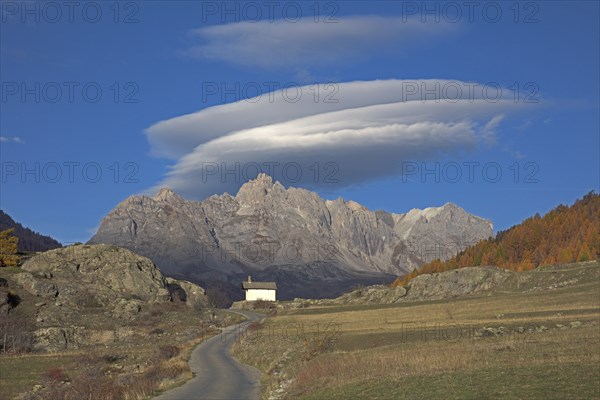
pixel 437 232
pixel 486 280
pixel 89 293
pixel 99 276
pixel 266 227
pixel 459 282
pixel 444 285
pixel 372 295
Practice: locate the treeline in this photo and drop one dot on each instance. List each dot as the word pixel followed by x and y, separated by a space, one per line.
pixel 28 239
pixel 563 235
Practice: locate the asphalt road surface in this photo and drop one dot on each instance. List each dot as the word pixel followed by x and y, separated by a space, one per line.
pixel 218 376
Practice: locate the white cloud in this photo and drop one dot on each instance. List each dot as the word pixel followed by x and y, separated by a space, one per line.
pixel 303 43
pixel 368 133
pixel 11 139
pixel 489 130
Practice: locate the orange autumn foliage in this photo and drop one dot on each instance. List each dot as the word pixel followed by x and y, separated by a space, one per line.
pixel 563 235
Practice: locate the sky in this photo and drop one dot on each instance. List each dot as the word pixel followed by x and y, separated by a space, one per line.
pixel 493 106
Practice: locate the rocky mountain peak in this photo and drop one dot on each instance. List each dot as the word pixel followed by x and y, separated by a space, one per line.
pixel 166 194
pixel 267 227
pixel 262 177
pixel 256 189
pixel 262 181
pixel 354 206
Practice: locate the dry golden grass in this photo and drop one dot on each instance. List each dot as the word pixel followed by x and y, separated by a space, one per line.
pixel 383 349
pixel 395 362
pixel 517 308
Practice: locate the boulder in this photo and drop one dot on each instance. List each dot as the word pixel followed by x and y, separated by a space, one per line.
pixel 195 296
pixel 104 272
pixel 99 288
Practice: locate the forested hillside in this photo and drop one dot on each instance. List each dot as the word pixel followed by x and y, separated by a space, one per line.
pixel 565 234
pixel 28 239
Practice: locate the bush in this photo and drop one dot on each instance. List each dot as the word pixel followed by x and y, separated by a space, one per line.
pixel 156 331
pixel 16 334
pixel 217 298
pixel 13 300
pixel 263 305
pixel 324 342
pixel 95 381
pixel 112 358
pixel 167 352
pixel 55 375
pixel 156 312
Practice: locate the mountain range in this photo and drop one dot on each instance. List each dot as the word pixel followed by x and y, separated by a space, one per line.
pixel 310 246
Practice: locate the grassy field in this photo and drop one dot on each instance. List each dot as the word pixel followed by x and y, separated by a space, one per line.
pixel 541 344
pixel 19 373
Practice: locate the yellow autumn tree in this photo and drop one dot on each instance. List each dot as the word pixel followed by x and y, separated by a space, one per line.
pixel 8 249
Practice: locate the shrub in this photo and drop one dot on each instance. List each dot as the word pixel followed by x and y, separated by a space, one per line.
pixel 263 305
pixel 156 331
pixel 13 300
pixel 16 333
pixel 322 343
pixel 111 358
pixel 55 375
pixel 217 298
pixel 156 312
pixel 167 352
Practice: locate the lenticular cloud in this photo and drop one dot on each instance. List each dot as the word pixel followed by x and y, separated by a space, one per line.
pixel 334 135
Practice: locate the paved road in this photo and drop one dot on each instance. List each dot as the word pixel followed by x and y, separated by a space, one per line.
pixel 218 376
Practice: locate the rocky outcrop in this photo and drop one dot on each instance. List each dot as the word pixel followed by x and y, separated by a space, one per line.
pixel 186 291
pixel 459 282
pixel 103 273
pixel 464 282
pixel 87 293
pixel 444 285
pixel 266 228
pixel 378 294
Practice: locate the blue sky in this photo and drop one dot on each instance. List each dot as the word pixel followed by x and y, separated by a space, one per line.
pixel 107 100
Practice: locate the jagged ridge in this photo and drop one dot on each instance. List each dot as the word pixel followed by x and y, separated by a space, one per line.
pixel 266 226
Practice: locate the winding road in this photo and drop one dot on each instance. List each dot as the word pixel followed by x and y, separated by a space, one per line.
pixel 217 375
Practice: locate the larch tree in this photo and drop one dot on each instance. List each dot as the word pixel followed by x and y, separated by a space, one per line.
pixel 8 249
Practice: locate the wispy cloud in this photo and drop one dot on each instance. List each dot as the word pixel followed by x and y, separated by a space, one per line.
pixel 11 139
pixel 371 129
pixel 489 130
pixel 305 43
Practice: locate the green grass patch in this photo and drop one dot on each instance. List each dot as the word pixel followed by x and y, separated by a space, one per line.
pixel 23 372
pixel 543 383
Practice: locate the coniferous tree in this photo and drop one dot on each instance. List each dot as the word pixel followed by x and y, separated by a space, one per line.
pixel 8 249
pixel 563 235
